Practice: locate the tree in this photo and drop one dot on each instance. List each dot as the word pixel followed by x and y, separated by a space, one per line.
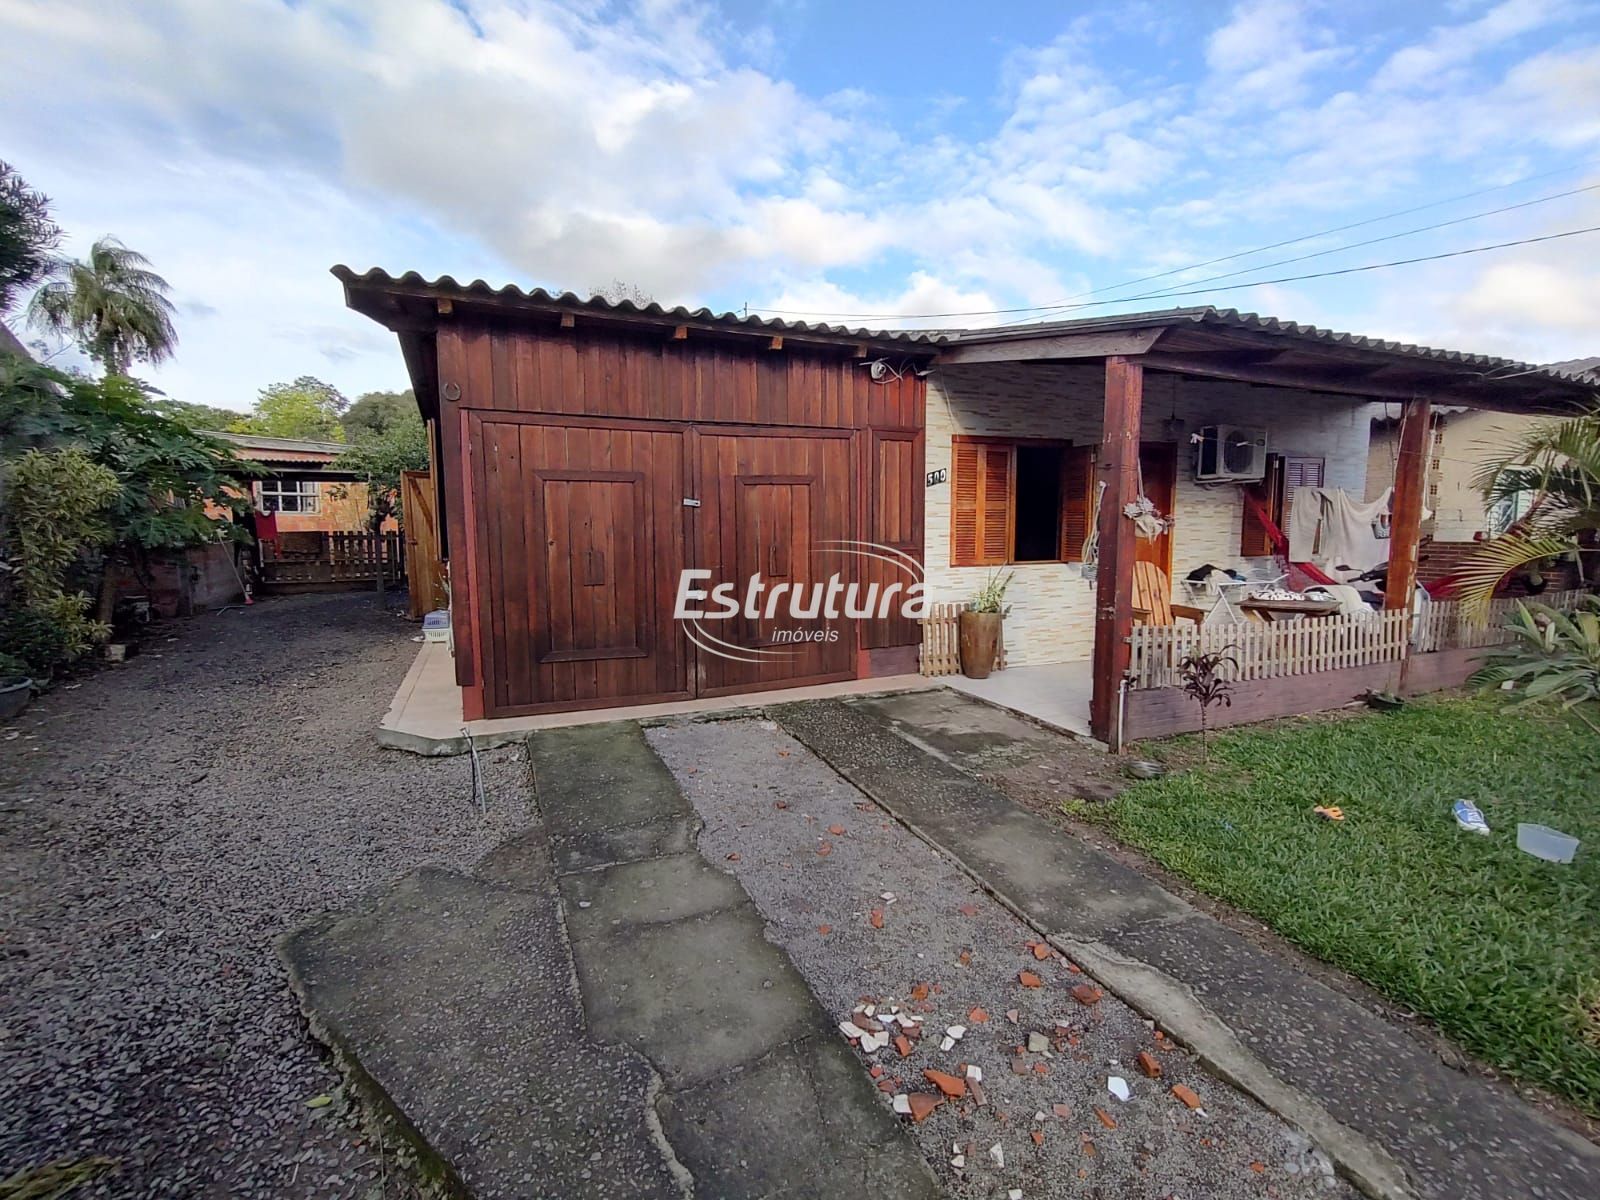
pixel 112 304
pixel 376 412
pixel 305 408
pixel 380 458
pixel 195 416
pixel 1557 463
pixel 618 291
pixel 28 237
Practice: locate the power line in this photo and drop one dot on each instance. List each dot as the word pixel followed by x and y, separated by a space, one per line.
pixel 1388 237
pixel 1067 303
pixel 1166 294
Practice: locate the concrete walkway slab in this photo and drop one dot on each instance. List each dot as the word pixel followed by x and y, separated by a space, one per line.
pixel 449 1001
pixel 1379 1101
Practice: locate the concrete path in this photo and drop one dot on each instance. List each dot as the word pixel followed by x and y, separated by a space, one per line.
pixel 1392 1114
pixel 595 1011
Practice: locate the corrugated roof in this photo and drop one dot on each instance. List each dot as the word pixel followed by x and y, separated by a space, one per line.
pixel 253 441
pixel 1589 367
pixel 479 289
pixel 1234 319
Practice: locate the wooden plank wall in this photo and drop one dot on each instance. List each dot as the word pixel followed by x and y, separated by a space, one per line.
pixel 488 367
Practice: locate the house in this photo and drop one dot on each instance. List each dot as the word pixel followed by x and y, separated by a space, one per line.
pixel 304 486
pixel 607 467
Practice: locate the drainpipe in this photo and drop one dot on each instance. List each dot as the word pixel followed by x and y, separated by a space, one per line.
pixel 1122 713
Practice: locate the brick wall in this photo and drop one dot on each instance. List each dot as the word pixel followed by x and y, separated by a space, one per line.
pixel 1052 615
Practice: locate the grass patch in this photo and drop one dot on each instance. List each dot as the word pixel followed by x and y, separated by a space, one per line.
pixel 1498 948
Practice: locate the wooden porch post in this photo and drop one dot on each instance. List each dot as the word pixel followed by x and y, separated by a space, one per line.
pixel 1117 468
pixel 1410 486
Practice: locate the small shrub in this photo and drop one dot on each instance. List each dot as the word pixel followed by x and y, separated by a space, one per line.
pixel 1205 684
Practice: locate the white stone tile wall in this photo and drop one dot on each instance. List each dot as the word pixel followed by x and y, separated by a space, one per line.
pixel 1052 607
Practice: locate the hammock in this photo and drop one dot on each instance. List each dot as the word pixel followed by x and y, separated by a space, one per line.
pixel 1280 541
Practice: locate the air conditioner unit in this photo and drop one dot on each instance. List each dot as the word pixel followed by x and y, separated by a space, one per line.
pixel 1230 452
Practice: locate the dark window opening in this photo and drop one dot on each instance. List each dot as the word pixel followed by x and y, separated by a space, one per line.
pixel 1038 509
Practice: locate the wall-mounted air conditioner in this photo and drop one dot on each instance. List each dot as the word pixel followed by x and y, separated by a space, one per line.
pixel 1230 452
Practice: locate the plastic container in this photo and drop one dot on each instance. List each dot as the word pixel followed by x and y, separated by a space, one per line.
pixel 1549 844
pixel 436 625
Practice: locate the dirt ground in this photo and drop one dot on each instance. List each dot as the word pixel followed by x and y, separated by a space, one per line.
pixel 161 823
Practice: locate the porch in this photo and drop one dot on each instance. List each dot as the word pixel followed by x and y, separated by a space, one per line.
pixel 1041 447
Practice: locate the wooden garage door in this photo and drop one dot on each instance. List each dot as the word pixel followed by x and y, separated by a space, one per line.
pixel 582 536
pixel 768 507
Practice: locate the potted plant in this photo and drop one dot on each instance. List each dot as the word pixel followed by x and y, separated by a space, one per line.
pixel 980 627
pixel 16 686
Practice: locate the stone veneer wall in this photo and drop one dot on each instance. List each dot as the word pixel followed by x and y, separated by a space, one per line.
pixel 1052 607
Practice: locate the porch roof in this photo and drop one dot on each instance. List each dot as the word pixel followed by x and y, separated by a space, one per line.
pixel 1227 344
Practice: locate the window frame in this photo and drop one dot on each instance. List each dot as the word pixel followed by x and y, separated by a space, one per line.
pixel 277 488
pixel 1012 444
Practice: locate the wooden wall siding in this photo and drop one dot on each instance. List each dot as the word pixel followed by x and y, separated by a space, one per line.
pixel 614 375
pixel 639 406
pixel 1162 712
pixel 895 503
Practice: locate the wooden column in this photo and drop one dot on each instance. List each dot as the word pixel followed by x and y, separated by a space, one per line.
pixel 1410 488
pixel 1117 467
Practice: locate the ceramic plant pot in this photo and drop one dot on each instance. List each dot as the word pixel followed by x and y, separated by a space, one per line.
pixel 980 642
pixel 15 695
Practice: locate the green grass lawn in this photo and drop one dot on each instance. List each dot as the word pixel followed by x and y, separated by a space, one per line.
pixel 1500 949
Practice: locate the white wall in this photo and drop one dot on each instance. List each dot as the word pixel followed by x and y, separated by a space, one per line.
pixel 1052 614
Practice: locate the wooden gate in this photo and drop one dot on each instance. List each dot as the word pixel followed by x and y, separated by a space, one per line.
pixel 424 569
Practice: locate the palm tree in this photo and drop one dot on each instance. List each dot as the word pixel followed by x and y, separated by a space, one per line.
pixel 1557 465
pixel 112 304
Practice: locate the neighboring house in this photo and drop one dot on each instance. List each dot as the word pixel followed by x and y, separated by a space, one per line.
pixel 592 452
pixel 304 488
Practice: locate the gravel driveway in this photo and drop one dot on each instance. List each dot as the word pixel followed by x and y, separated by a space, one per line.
pixel 160 825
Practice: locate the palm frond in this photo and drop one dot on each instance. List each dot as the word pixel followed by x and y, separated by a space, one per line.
pixel 1482 572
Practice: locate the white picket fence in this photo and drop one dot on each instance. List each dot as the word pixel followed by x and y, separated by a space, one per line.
pixel 1443 624
pixel 1269 651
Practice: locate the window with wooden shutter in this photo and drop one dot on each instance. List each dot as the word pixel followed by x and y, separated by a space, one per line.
pixel 980 519
pixel 1077 500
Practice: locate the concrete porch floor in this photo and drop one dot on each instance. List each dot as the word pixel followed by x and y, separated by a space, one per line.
pixel 1054 694
pixel 425 715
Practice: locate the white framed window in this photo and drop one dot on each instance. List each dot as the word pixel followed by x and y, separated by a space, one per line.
pixel 289 495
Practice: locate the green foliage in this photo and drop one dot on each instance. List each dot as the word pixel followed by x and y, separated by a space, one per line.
pixel 195 416
pixel 56 508
pixel 28 237
pixel 1556 655
pixel 377 412
pixel 1495 946
pixel 380 458
pixel 1558 464
pixel 112 304
pixel 991 597
pixel 306 408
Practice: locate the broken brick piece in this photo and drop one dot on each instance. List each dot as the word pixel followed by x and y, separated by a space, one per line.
pixel 903 1044
pixel 875 1071
pixel 1011 1015
pixel 887 1086
pixel 824 930
pixel 965 958
pixel 1186 1095
pixel 1148 1064
pixel 976 1089
pixel 875 918
pixel 1029 980
pixel 977 1016
pixel 923 1103
pixel 968 910
pixel 780 804
pixel 1085 994
pixel 1041 951
pixel 836 830
pixel 919 991
pixel 734 857
pixel 1106 1118
pixel 1061 1110
pixel 1258 1167
pixel 948 1084
pixel 825 849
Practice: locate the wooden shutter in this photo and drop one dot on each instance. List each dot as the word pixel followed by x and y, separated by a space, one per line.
pixel 980 518
pixel 1077 500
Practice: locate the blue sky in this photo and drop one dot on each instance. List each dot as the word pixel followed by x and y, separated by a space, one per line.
pixel 813 156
